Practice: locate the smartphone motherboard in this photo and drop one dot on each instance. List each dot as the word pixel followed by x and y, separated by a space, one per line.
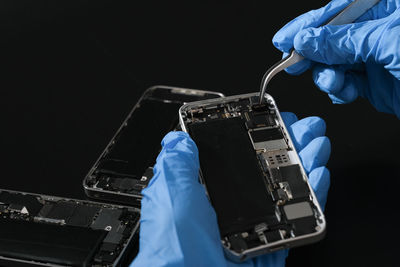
pixel 50 231
pixel 253 175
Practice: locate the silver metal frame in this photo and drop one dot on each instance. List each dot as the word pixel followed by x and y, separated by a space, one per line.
pixel 274 246
pixel 54 198
pixel 100 193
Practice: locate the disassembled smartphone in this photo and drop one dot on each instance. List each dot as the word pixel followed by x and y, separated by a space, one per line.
pixel 126 165
pixel 38 230
pixel 253 175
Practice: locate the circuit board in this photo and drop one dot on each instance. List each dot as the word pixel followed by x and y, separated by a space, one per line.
pixel 252 174
pixel 64 232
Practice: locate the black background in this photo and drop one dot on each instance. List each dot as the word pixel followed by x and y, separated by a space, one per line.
pixel 71 71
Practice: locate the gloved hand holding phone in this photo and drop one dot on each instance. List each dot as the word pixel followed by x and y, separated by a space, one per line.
pixel 351 60
pixel 178 224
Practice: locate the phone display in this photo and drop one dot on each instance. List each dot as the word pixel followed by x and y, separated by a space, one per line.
pixel 253 175
pixel 38 230
pixel 126 165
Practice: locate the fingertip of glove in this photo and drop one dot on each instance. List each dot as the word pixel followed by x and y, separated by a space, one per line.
pixel 324 142
pixel 348 94
pixel 320 181
pixel 306 43
pixel 172 138
pixel 289 118
pixel 178 142
pixel 350 89
pixel 302 39
pixel 299 67
pixel 320 173
pixel 328 79
pixel 179 155
pixel 316 153
pixel 335 100
pixel 317 125
pixel 314 125
pixel 279 40
pixel 283 39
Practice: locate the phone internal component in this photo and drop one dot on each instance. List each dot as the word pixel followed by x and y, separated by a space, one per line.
pixel 279 158
pixel 267 138
pixel 244 202
pixel 49 230
pixel 298 210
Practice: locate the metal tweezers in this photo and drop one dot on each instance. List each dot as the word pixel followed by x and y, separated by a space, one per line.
pixel 349 14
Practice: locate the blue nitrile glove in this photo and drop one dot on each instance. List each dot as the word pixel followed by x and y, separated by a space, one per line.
pixel 178 224
pixel 357 59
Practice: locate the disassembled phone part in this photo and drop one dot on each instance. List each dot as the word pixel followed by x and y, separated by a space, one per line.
pixel 126 165
pixel 253 175
pixel 38 230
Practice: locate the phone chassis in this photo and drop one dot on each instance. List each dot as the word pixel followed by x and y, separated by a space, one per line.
pixel 123 183
pixel 253 175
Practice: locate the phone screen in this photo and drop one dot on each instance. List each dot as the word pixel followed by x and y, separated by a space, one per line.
pixel 126 166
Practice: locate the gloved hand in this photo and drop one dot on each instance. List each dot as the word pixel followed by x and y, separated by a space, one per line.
pixel 178 224
pixel 357 59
